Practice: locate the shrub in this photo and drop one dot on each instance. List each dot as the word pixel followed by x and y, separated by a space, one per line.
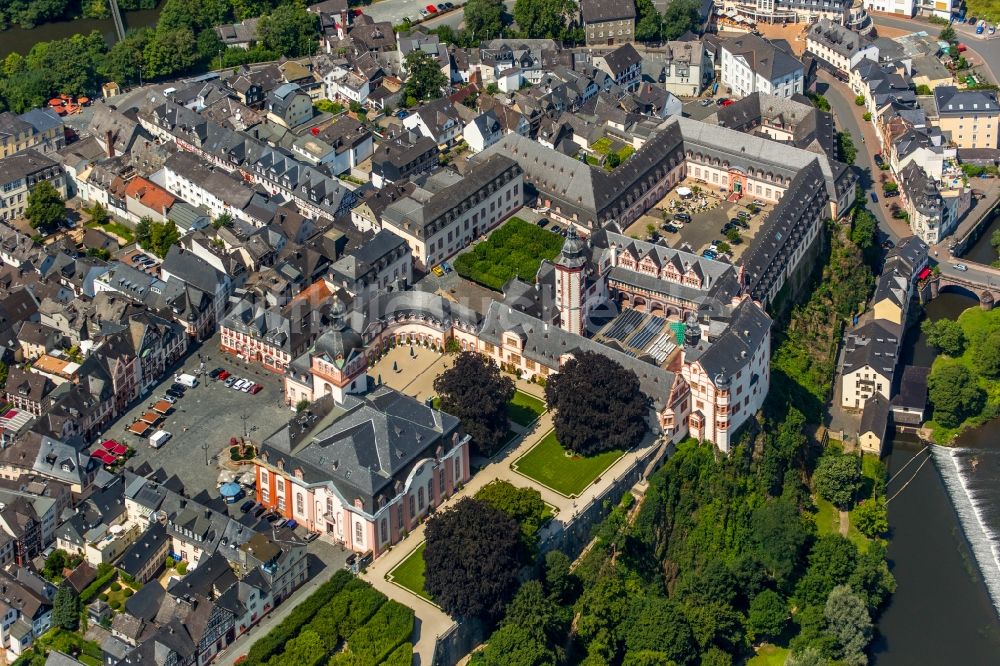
pixel 128 592
pixel 515 249
pixel 273 641
pixel 182 567
pixel 105 573
pixel 116 604
pixel 115 587
pixel 391 626
pixel 103 596
pixel 347 611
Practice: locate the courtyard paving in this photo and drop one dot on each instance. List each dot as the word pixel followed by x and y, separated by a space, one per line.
pixel 208 414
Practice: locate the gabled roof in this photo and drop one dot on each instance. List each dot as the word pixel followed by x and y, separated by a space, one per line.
pixel 596 11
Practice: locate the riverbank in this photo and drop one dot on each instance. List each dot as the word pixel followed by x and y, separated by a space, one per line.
pixel 20 40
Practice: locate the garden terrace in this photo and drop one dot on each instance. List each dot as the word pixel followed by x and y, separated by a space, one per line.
pixel 514 250
pixel 568 474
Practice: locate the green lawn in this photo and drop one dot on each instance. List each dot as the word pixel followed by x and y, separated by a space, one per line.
pixel 524 408
pixel 987 9
pixel 115 228
pixel 410 572
pixel 769 655
pixel 827 519
pixel 515 249
pixel 548 464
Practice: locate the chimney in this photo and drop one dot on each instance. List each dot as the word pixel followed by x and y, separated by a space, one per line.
pixel 110 138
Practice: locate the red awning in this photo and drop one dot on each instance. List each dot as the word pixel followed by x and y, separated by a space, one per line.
pixel 103 456
pixel 924 273
pixel 109 444
pixel 138 428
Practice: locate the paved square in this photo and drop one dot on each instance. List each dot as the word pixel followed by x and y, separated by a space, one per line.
pixel 208 414
pixel 411 370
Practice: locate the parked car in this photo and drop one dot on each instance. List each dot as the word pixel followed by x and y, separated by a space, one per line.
pixel 255 389
pixel 180 388
pixel 743 215
pixel 176 395
pixel 424 13
pixel 960 267
pixel 683 217
pixel 449 5
pixel 431 9
pixel 312 536
pixel 291 524
pixel 246 506
pixel 721 101
pixel 224 375
pixel 239 384
pixel 214 374
pixel 446 266
pixel 441 7
pixel 705 102
pixel 437 270
pixel 888 244
pixel 246 387
pixel 874 198
pixel 259 511
pixel 230 380
pixel 171 399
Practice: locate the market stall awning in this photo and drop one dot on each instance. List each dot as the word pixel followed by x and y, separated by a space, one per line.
pixel 150 417
pixel 138 428
pixel 103 456
pixel 163 407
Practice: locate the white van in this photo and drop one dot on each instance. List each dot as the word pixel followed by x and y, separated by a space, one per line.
pixel 159 438
pixel 187 380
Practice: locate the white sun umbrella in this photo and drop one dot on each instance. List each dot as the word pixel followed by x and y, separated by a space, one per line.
pixel 248 478
pixel 225 476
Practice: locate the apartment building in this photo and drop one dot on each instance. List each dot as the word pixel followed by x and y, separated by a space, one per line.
pixel 19 173
pixel 753 64
pixel 970 118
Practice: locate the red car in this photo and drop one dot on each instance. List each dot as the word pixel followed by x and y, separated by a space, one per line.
pixel 255 389
pixel 431 8
pixel 223 375
pixel 727 102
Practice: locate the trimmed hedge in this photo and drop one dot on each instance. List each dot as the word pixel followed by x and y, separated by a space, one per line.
pixel 390 627
pixel 347 611
pixel 92 590
pixel 401 656
pixel 515 249
pixel 274 641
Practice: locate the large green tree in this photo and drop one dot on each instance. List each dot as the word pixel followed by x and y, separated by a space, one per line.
pixel 484 18
pixel 659 624
pixel 988 355
pixel 649 23
pixel 474 390
pixel 780 535
pixel 512 645
pixel 290 30
pixel 45 206
pixel 768 615
pixel 838 478
pixel 543 19
pixel 169 52
pixel 66 609
pixel 473 558
pixel 681 16
pixel 953 392
pixel 832 560
pixel 848 620
pixel 157 237
pixel 946 335
pixel 124 60
pixel 424 78
pixel 598 405
pixel 525 505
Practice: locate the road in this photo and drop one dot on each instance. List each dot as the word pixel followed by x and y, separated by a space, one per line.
pixel 395 11
pixel 848 118
pixel 987 50
pixel 979 273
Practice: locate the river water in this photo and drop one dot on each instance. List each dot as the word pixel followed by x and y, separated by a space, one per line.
pixel 20 40
pixel 944 526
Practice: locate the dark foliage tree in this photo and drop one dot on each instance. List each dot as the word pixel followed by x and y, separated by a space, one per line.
pixel 474 390
pixel 953 392
pixel 560 582
pixel 831 562
pixel 768 615
pixel 156 237
pixel 946 335
pixel 872 579
pixel 598 405
pixel 66 609
pixel 649 22
pixel 542 616
pixel 424 78
pixel 863 229
pixel 54 564
pixel 846 151
pixel 45 206
pixel 472 558
pixel 484 18
pixel 838 478
pixel 659 624
pixel 780 536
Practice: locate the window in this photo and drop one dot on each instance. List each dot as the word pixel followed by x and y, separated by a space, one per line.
pixel 299 505
pixel 265 496
pixel 413 507
pixel 281 485
pixel 329 505
pixel 385 530
pixel 263 475
pixel 441 482
pixel 358 533
pixel 420 498
pixel 458 467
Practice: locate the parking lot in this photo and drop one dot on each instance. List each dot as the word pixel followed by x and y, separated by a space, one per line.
pixel 202 421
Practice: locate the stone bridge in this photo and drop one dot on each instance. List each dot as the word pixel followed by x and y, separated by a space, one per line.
pixel 977 280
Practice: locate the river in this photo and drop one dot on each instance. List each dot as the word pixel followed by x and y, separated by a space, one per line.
pixel 943 527
pixel 20 40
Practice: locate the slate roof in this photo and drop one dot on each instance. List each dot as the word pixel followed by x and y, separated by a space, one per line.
pixel 149 544
pixel 596 11
pixel 622 58
pixel 763 57
pixel 875 416
pixel 547 344
pixel 365 447
pixel 875 345
pixel 23 164
pixel 951 101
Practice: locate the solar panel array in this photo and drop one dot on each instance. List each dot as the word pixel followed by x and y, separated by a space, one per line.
pixel 624 325
pixel 642 333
